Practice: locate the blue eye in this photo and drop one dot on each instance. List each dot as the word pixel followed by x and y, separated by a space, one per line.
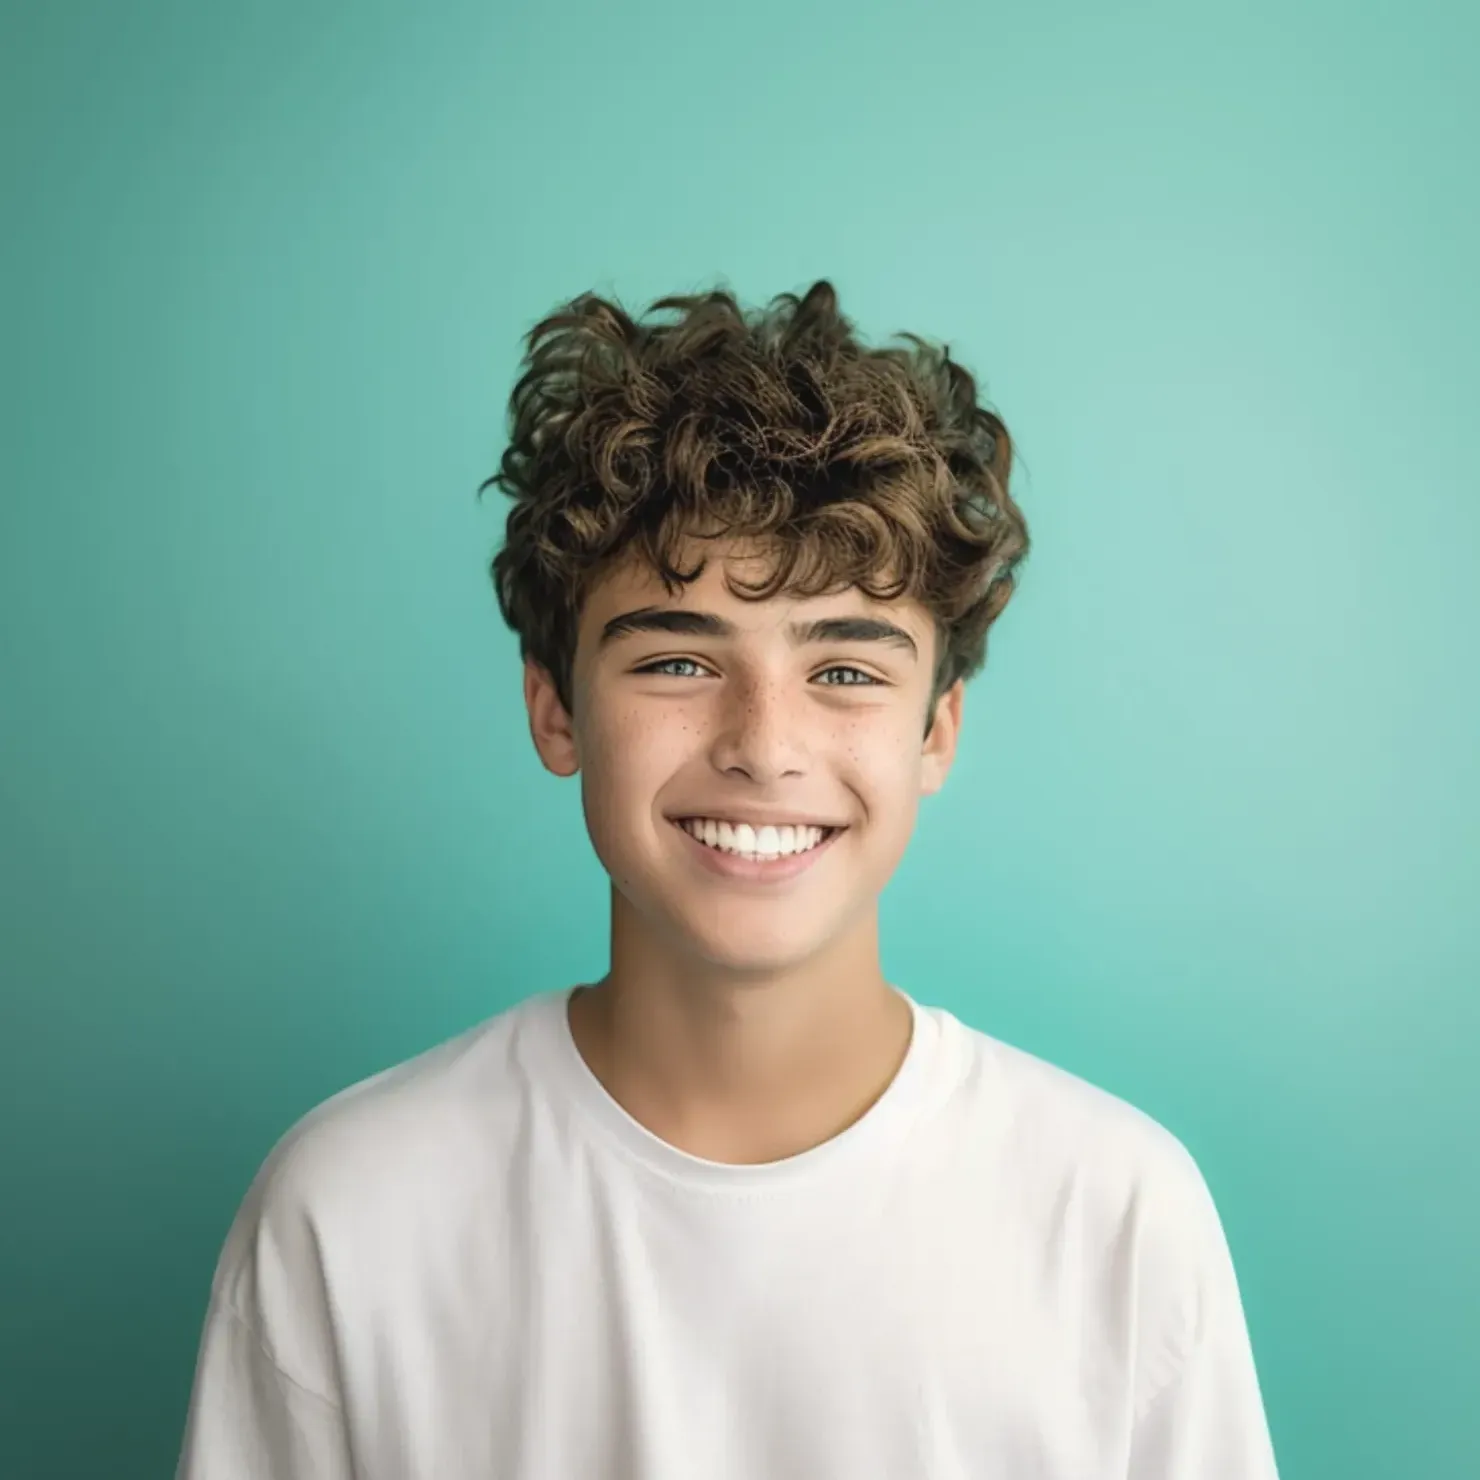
pixel 859 677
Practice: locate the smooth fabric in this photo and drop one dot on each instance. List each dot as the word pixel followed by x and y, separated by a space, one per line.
pixel 476 1265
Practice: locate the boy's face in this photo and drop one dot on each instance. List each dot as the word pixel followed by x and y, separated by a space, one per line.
pixel 728 714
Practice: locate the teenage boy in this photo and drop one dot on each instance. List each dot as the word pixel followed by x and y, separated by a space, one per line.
pixel 741 1209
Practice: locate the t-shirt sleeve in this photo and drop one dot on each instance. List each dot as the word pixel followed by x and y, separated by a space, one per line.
pixel 249 1420
pixel 268 1400
pixel 1203 1416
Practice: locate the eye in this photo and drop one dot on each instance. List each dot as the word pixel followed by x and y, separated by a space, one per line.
pixel 663 663
pixel 856 676
pixel 858 673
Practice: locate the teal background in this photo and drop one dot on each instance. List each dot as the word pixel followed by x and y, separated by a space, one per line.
pixel 271 819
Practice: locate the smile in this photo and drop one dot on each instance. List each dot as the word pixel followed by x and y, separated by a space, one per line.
pixel 742 839
pixel 738 850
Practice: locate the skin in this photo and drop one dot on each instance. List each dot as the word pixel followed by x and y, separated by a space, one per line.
pixel 738 1022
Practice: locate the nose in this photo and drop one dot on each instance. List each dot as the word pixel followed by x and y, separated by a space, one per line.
pixel 758 732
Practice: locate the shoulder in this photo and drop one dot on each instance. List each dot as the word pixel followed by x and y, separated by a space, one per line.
pixel 1081 1159
pixel 1097 1192
pixel 1162 1269
pixel 357 1165
pixel 1040 1113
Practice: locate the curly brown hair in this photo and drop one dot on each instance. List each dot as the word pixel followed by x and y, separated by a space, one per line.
pixel 847 465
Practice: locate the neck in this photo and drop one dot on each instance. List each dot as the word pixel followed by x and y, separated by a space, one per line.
pixel 742 1068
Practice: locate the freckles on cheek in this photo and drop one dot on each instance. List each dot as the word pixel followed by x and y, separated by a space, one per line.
pixel 879 745
pixel 614 726
pixel 636 749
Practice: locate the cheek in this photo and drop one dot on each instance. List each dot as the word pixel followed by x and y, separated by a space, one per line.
pixel 897 802
pixel 888 764
pixel 625 762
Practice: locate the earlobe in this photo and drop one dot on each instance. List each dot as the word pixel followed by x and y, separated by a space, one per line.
pixel 940 743
pixel 550 724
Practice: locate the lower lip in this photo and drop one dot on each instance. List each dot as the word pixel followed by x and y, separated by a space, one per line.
pixel 757 870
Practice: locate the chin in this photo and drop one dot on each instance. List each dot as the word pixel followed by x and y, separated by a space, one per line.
pixel 742 949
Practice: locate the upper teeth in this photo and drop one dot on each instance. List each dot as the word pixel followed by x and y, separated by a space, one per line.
pixel 741 837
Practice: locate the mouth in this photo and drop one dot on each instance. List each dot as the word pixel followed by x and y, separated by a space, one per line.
pixel 768 853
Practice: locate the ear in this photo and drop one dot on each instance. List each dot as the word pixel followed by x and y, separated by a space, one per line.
pixel 550 725
pixel 940 743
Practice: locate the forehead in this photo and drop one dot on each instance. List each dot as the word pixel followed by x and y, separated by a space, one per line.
pixel 632 583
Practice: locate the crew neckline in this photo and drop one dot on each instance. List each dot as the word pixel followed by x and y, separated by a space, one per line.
pixel 881 1125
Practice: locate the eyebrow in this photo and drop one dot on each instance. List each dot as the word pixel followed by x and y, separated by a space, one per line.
pixel 707 624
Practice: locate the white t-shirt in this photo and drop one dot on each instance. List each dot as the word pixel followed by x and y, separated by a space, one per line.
pixel 476 1265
